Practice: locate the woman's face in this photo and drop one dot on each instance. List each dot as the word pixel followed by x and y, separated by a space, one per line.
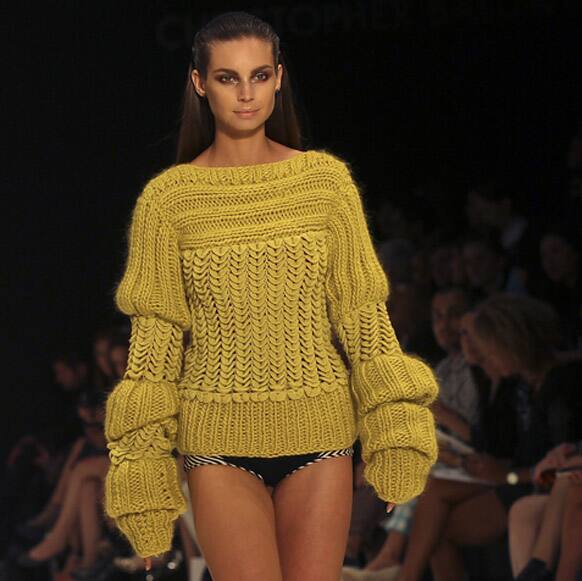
pixel 446 312
pixel 240 76
pixel 559 260
pixel 497 358
pixel 118 356
pixel 101 355
pixel 482 265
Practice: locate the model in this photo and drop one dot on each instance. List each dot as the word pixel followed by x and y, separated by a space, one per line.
pixel 260 250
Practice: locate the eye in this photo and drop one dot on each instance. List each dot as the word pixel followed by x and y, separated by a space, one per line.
pixel 224 77
pixel 265 76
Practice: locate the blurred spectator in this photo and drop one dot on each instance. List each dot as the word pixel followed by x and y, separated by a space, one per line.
pixel 487 269
pixel 396 256
pixel 56 411
pixel 491 206
pixel 446 265
pixel 118 352
pixel 81 453
pixel 560 253
pixel 516 336
pixel 457 407
pixel 101 370
pixel 395 221
pixel 410 314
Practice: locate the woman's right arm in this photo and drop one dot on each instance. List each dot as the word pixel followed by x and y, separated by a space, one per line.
pixel 142 489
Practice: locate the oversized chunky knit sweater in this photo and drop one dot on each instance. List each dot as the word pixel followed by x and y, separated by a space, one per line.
pixel 261 264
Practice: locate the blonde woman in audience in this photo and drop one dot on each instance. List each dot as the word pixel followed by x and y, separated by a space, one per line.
pixel 517 335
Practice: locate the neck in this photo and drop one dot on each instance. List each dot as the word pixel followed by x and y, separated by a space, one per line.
pixel 226 151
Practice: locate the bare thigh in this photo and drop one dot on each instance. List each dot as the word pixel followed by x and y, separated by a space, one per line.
pixel 235 523
pixel 477 521
pixel 527 512
pixel 312 515
pixel 92 467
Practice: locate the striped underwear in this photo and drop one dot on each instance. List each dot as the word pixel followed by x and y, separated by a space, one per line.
pixel 270 470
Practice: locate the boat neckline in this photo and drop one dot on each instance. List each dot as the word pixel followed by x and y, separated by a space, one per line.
pixel 250 173
pixel 248 165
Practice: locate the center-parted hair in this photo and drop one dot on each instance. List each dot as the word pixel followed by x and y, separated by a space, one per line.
pixel 197 123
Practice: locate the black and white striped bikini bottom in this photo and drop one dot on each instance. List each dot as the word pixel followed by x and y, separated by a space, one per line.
pixel 270 470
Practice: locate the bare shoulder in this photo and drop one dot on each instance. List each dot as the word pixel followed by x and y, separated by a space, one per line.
pixel 290 152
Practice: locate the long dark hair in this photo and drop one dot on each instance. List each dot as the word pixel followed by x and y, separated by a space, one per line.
pixel 197 122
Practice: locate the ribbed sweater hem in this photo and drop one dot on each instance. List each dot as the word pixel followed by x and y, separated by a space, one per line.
pixel 269 428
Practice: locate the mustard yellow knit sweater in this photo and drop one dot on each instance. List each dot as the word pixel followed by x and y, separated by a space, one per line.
pixel 261 264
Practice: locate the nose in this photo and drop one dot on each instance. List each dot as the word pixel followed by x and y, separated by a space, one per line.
pixel 245 91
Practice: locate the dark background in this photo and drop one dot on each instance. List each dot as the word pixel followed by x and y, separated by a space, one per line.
pixel 434 94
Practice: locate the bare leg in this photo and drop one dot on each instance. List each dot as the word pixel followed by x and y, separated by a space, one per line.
pixel 430 520
pixel 548 541
pixel 53 506
pixel 525 518
pixel 58 537
pixel 73 558
pixel 89 521
pixel 312 518
pixel 235 523
pixel 390 554
pixel 570 561
pixel 477 521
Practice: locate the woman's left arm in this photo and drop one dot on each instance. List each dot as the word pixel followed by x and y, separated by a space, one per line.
pixel 393 390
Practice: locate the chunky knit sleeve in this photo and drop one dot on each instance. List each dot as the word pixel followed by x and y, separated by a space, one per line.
pixel 392 390
pixel 142 489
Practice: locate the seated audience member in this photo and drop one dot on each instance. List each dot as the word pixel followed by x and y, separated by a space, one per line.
pixel 80 482
pixel 101 369
pixel 446 265
pixel 410 313
pixel 536 522
pixel 457 411
pixel 487 269
pixel 56 410
pixel 517 336
pixel 457 407
pixel 367 509
pixel 118 352
pixel 396 257
pixel 35 461
pixel 89 401
pixel 491 206
pixel 561 280
pixel 73 516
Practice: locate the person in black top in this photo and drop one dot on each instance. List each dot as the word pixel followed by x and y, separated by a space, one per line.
pixel 560 282
pixel 535 407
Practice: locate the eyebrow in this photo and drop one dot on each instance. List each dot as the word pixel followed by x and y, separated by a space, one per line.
pixel 235 72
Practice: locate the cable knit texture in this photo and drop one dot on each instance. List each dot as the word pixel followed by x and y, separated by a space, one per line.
pixel 261 264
